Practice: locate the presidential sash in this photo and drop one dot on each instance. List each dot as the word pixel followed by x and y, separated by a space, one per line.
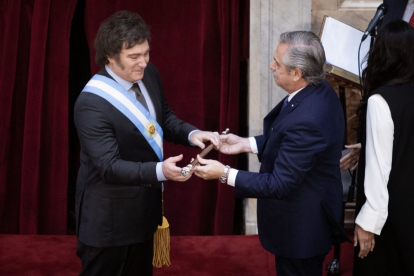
pixel 128 105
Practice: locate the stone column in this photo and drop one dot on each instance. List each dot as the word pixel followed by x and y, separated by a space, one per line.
pixel 268 19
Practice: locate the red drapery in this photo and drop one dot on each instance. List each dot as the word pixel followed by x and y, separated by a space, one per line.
pixel 33 109
pixel 196 45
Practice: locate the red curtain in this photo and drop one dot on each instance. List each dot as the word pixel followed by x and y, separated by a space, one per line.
pixel 197 46
pixel 34 63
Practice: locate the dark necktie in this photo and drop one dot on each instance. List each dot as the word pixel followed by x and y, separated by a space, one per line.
pixel 138 95
pixel 285 102
pixel 283 110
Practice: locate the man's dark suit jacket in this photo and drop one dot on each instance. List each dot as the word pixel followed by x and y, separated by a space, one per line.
pixel 395 11
pixel 299 187
pixel 118 196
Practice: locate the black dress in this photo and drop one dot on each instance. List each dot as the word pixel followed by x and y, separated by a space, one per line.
pixel 394 248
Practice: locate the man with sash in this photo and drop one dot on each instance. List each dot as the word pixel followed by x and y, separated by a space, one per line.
pixel 121 118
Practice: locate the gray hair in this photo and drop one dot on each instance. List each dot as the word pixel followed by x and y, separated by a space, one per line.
pixel 305 51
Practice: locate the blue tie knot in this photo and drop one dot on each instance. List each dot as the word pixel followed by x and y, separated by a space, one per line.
pixel 285 102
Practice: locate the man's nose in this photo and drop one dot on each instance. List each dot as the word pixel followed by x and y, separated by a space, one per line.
pixel 142 62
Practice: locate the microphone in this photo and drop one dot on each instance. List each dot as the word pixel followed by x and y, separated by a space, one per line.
pixel 381 11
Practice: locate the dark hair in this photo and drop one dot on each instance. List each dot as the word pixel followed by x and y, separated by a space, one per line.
pixel 122 29
pixel 391 59
pixel 305 51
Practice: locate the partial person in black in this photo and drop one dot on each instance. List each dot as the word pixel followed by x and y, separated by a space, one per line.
pixel 384 238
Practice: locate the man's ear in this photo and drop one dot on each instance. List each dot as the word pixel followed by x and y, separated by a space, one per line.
pixel 297 74
pixel 111 60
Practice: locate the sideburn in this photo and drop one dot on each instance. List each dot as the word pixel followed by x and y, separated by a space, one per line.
pixel 119 63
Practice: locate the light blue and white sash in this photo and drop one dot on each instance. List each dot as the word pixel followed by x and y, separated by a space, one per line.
pixel 126 103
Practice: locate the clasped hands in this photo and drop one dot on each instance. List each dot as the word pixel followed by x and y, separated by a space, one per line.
pixel 169 167
pixel 207 169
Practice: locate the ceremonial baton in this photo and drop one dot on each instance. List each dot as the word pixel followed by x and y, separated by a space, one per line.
pixel 186 170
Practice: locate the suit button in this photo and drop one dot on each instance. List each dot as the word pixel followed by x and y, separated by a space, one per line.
pixel 272 128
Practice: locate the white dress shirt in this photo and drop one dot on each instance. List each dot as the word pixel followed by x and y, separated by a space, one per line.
pixel 408 11
pixel 379 147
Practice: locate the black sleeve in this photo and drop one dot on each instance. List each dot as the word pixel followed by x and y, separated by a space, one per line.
pixel 175 130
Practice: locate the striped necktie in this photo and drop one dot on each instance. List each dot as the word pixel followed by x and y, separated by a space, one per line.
pixel 411 22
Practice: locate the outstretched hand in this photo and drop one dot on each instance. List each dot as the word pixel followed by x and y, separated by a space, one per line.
pixel 233 144
pixel 198 138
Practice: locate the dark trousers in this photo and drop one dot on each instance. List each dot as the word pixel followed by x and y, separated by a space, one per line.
pixel 299 267
pixel 134 259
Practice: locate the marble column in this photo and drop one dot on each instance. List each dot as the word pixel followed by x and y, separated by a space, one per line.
pixel 268 19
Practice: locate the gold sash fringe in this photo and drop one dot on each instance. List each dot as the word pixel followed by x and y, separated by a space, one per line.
pixel 162 245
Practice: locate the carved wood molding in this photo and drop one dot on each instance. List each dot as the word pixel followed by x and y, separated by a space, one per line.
pixel 354 4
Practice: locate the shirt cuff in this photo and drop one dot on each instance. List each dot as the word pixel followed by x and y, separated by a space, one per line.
pixel 160 174
pixel 371 220
pixel 189 135
pixel 253 144
pixel 231 180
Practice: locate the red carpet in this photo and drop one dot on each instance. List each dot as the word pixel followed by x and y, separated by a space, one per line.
pixel 190 255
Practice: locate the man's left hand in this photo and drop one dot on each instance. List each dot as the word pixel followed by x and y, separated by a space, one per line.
pixel 199 137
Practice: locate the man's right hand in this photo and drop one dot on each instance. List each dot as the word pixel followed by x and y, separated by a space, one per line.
pixel 233 144
pixel 171 171
pixel 351 159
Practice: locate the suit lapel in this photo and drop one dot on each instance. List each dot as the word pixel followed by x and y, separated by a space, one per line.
pixel 154 94
pixel 285 111
pixel 399 9
pixel 270 117
pixel 277 115
pixel 294 103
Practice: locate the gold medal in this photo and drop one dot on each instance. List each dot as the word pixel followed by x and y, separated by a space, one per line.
pixel 151 129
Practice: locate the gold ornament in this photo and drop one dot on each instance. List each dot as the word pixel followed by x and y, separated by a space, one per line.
pixel 151 129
